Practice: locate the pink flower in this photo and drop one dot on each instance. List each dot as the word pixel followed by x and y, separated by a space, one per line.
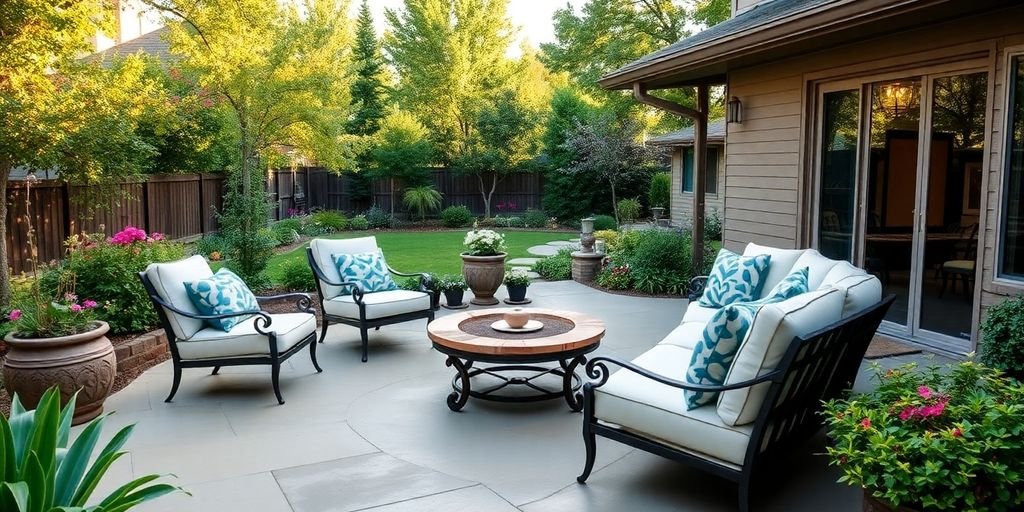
pixel 866 422
pixel 89 304
pixel 14 315
pixel 128 236
pixel 907 413
pixel 957 432
pixel 936 409
pixel 156 235
pixel 925 392
pixel 76 308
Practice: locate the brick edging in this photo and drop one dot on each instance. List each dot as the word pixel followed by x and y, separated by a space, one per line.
pixel 142 351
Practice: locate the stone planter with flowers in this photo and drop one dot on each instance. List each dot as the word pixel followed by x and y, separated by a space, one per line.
pixel 483 264
pixel 517 280
pixel 939 439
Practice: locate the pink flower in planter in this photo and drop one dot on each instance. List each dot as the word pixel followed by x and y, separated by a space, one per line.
pixel 89 304
pixel 924 392
pixel 14 315
pixel 76 308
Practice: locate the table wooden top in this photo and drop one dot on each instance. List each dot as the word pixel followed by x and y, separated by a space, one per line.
pixel 445 331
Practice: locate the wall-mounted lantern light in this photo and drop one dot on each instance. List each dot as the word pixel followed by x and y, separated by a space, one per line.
pixel 734 111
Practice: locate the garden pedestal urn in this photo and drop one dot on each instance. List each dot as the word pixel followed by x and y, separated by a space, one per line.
pixel 82 362
pixel 483 275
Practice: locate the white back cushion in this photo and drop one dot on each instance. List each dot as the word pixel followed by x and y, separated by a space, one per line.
pixel 770 336
pixel 323 248
pixel 780 266
pixel 862 289
pixel 169 281
pixel 818 267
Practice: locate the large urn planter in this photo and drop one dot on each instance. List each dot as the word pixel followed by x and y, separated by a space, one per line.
pixel 83 362
pixel 483 275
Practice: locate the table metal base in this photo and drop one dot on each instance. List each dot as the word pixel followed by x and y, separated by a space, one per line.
pixel 566 369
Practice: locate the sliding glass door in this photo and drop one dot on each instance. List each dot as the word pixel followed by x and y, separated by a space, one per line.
pixel 898 167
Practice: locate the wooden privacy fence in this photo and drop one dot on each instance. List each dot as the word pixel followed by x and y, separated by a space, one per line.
pixel 183 206
pixel 311 187
pixel 180 206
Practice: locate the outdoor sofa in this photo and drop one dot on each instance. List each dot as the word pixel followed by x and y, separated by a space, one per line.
pixel 797 352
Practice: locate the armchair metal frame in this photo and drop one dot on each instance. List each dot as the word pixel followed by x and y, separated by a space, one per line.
pixel 815 368
pixel 364 324
pixel 263 325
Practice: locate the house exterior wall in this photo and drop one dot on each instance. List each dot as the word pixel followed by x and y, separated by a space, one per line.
pixel 769 183
pixel 681 204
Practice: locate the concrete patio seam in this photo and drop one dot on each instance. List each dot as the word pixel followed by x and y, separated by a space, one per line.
pixel 279 488
pixel 382 505
pixel 574 482
pixel 496 493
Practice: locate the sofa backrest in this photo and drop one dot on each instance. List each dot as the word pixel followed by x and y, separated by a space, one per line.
pixel 778 268
pixel 168 282
pixel 323 248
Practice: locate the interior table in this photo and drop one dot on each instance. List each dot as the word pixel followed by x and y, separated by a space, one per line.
pixel 515 359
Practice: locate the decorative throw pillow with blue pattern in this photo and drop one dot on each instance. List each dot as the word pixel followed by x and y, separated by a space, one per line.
pixel 714 353
pixel 367 269
pixel 794 284
pixel 734 278
pixel 219 294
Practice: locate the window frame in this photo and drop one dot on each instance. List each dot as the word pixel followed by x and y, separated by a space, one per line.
pixel 1013 64
pixel 711 170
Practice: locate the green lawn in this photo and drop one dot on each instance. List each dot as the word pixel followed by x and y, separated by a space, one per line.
pixel 427 251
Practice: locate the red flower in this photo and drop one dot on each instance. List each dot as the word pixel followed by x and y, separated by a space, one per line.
pixel 957 432
pixel 866 422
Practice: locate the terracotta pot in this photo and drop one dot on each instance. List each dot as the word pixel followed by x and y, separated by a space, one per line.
pixel 483 274
pixel 83 362
pixel 517 318
pixel 873 504
pixel 517 293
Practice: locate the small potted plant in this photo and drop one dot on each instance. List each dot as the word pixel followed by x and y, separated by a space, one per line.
pixel 517 280
pixel 483 264
pixel 1002 337
pixel 939 439
pixel 454 288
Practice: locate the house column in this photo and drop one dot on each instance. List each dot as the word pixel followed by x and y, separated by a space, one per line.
pixel 700 156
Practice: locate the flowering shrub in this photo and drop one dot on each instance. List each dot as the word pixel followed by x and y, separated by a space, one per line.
pixel 106 271
pixel 617 277
pixel 484 242
pixel 517 277
pixel 451 283
pixel 937 439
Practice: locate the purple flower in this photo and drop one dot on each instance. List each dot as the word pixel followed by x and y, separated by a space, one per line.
pixel 76 308
pixel 89 304
pixel 14 315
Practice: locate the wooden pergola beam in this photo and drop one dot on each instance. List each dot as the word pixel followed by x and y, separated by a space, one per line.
pixel 700 156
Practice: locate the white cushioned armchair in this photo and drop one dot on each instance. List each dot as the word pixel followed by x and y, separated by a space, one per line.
pixel 797 352
pixel 262 339
pixel 344 302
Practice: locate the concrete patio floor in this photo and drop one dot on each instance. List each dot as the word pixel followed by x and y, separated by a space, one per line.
pixel 378 436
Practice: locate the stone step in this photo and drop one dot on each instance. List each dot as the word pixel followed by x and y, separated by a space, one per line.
pixel 563 243
pixel 543 250
pixel 523 261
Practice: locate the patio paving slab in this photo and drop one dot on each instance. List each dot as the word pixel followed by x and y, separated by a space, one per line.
pixel 563 243
pixel 472 499
pixel 253 493
pixel 523 261
pixel 357 483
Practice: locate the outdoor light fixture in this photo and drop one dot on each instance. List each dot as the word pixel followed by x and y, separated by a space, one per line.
pixel 734 111
pixel 896 97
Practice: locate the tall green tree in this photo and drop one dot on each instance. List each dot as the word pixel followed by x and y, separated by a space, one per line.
pixel 368 92
pixel 506 140
pixel 401 151
pixel 57 114
pixel 450 57
pixel 565 196
pixel 283 71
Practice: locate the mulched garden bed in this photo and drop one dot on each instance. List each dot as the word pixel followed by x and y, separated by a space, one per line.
pixel 633 293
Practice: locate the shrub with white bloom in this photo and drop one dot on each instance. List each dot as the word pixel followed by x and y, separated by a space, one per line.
pixel 484 242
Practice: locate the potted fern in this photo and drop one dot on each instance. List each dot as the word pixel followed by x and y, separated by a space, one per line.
pixel 42 470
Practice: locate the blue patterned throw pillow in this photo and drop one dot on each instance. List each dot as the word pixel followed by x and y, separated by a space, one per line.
pixel 714 353
pixel 794 284
pixel 734 278
pixel 219 294
pixel 367 269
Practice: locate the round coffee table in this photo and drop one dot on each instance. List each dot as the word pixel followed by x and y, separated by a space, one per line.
pixel 467 338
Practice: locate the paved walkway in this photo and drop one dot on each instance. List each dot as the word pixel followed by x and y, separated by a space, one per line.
pixel 378 436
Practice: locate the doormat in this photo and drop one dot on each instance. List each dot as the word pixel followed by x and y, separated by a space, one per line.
pixel 882 346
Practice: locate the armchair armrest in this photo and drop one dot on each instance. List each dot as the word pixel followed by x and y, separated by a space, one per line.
pixel 425 278
pixel 357 292
pixel 263 319
pixel 598 370
pixel 697 287
pixel 303 303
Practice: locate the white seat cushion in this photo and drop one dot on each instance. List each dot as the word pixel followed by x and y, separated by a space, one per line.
pixel 169 281
pixel 817 265
pixel 655 410
pixel 780 266
pixel 243 339
pixel 770 335
pixel 862 289
pixel 379 304
pixel 697 313
pixel 323 248
pixel 686 335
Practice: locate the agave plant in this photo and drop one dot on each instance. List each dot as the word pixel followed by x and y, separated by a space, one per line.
pixel 40 473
